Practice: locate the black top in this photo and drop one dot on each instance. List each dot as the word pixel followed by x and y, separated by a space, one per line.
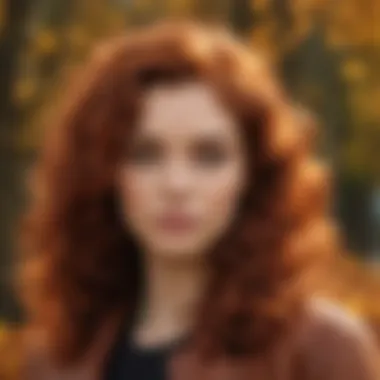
pixel 128 362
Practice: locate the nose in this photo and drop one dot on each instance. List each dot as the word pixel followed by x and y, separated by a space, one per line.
pixel 177 178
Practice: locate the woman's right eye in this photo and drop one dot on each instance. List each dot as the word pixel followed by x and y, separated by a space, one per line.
pixel 144 154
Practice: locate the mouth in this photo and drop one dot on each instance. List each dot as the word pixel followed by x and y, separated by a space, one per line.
pixel 176 223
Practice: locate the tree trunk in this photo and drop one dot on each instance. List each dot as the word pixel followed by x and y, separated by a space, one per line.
pixel 11 43
pixel 241 16
pixel 13 38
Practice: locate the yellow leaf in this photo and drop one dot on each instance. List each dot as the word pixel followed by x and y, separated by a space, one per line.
pixel 24 90
pixel 356 307
pixel 46 42
pixel 260 5
pixel 78 37
pixel 354 70
pixel 143 5
pixel 179 7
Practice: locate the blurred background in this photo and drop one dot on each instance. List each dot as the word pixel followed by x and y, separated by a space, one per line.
pixel 328 53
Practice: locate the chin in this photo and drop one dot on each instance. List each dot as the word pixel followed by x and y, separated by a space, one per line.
pixel 179 250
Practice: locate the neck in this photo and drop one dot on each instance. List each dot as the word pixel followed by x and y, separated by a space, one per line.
pixel 172 293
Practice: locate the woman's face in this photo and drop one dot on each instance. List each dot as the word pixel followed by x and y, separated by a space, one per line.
pixel 184 172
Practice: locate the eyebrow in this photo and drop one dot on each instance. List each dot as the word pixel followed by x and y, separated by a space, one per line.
pixel 204 138
pixel 212 129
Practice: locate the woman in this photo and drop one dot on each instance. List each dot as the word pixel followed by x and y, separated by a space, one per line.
pixel 177 216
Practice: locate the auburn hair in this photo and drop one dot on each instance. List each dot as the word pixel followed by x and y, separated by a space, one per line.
pixel 80 264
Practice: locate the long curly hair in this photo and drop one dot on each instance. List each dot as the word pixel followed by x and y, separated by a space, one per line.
pixel 80 264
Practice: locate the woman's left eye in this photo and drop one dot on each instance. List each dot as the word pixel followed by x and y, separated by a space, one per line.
pixel 210 155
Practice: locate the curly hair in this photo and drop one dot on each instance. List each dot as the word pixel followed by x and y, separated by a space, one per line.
pixel 80 263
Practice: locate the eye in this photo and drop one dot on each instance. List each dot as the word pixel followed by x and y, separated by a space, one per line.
pixel 210 153
pixel 144 153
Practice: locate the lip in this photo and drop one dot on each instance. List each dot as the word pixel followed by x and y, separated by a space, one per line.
pixel 176 223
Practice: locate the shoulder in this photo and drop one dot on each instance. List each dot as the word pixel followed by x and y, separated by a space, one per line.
pixel 323 317
pixel 336 345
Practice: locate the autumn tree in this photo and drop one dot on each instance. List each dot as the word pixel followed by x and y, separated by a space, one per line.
pixel 328 54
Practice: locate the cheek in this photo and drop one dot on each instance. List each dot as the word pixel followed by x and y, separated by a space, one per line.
pixel 135 193
pixel 224 194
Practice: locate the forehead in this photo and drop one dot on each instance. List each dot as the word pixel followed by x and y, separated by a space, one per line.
pixel 185 109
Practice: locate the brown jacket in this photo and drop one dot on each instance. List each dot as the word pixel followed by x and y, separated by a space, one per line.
pixel 326 345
